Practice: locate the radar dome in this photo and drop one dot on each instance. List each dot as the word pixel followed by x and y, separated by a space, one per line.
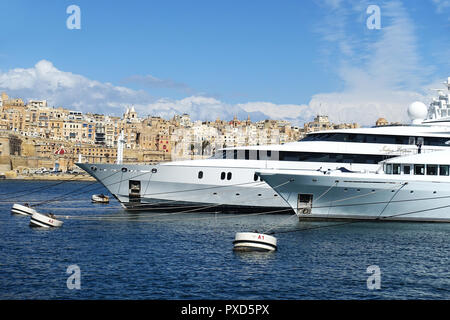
pixel 417 111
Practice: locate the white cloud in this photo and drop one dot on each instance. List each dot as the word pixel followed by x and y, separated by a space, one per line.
pixel 441 5
pixel 73 91
pixel 60 88
pixel 381 70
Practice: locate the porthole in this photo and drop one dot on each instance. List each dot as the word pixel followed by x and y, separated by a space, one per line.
pixel 124 169
pixel 154 170
pixel 200 174
pixel 94 168
pixel 229 175
pixel 237 194
pixel 255 177
pixel 259 194
pixel 222 176
pixel 275 195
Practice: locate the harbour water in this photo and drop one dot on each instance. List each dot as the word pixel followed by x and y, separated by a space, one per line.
pixel 151 255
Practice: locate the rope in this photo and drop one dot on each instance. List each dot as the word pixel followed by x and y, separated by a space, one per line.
pixel 196 208
pixel 391 199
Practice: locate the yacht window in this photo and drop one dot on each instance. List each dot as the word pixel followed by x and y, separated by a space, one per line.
pixel 255 177
pixel 241 154
pixel 419 169
pixel 229 176
pixel 396 169
pixel 389 168
pixel 247 154
pixel 235 153
pixel 420 141
pixel 432 169
pixel 377 138
pixel 200 174
pixel 406 170
pixel 443 170
pixel 222 176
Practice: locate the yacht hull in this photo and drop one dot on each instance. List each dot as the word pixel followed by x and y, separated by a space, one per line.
pixel 179 188
pixel 324 197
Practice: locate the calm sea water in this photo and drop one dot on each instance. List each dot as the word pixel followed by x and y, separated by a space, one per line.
pixel 152 255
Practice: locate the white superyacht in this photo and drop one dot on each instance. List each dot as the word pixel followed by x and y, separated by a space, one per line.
pixel 228 181
pixel 408 188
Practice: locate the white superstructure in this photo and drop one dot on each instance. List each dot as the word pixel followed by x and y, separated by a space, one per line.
pixel 228 180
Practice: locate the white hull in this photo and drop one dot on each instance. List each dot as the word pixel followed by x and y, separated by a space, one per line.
pixel 22 210
pixel 350 196
pixel 44 221
pixel 176 186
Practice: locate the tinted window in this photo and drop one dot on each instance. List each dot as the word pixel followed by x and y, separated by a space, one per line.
pixel 200 174
pixel 396 169
pixel 222 176
pixel 443 170
pixel 331 157
pixel 406 170
pixel 376 138
pixel 419 169
pixel 229 176
pixel 388 168
pixel 432 169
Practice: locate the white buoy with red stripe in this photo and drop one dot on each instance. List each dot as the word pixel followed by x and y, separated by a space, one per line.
pixel 253 241
pixel 44 220
pixel 23 210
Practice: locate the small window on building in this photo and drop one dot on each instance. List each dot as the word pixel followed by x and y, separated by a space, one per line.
pixel 229 176
pixel 432 169
pixel 443 170
pixel 200 174
pixel 406 170
pixel 222 176
pixel 419 169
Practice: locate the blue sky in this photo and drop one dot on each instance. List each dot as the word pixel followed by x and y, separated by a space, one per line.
pixel 219 58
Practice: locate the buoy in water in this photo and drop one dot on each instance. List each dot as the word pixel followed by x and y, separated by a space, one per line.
pixel 253 241
pixel 44 220
pixel 23 210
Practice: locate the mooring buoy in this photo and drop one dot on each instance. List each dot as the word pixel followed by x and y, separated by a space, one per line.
pixel 253 241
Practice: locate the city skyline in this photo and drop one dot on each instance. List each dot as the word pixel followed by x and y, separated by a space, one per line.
pixel 287 61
